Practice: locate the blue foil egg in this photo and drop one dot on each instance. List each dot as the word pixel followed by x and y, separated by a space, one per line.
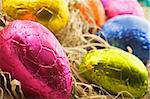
pixel 129 30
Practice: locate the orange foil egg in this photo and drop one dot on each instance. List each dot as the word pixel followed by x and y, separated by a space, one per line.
pixel 92 11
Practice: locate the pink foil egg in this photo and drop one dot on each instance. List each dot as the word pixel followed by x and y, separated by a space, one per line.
pixel 32 55
pixel 121 7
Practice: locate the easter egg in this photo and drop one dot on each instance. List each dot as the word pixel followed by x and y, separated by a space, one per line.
pixel 115 70
pixel 129 31
pixel 92 9
pixel 121 7
pixel 32 55
pixel 53 14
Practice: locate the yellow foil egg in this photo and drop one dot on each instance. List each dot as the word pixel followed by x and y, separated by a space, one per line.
pixel 53 14
pixel 116 71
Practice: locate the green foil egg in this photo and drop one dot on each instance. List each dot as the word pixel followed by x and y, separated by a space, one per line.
pixel 115 70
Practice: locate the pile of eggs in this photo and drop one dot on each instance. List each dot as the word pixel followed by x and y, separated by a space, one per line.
pixel 122 25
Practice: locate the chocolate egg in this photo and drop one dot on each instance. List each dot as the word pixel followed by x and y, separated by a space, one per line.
pixel 121 7
pixel 115 70
pixel 32 55
pixel 129 31
pixel 53 14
